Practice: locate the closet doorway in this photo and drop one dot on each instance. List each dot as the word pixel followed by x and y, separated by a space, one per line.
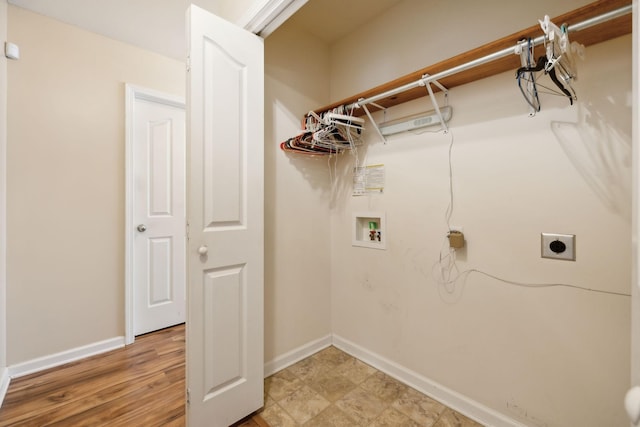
pixel 156 216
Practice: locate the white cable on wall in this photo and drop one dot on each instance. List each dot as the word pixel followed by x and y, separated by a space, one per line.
pixel 446 273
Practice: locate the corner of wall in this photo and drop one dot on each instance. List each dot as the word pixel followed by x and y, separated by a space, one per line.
pixel 635 288
pixel 297 279
pixel 4 377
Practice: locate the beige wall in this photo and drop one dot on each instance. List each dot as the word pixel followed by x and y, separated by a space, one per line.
pixel 66 182
pixel 3 169
pixel 552 356
pixel 297 197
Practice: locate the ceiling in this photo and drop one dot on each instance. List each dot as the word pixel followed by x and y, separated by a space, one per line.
pixel 159 25
pixel 141 22
pixel 331 20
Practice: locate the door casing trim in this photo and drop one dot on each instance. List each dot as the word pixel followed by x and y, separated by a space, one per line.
pixel 265 17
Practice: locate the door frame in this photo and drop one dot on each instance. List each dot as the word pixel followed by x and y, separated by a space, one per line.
pixel 635 197
pixel 4 371
pixel 133 93
pixel 266 16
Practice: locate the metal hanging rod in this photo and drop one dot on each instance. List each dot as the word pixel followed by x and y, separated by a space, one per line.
pixel 489 58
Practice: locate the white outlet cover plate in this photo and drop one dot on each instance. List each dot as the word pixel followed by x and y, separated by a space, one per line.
pixel 569 240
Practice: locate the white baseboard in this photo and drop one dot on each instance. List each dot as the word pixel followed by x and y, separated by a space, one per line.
pixel 52 360
pixel 446 396
pixel 5 379
pixel 296 355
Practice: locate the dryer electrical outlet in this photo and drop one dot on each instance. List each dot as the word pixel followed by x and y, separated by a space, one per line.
pixel 558 246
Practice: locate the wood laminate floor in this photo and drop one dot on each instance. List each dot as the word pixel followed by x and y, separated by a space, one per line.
pixel 139 385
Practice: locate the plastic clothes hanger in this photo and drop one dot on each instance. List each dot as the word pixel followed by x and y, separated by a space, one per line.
pixel 560 56
pixel 335 130
pixel 330 132
pixel 528 88
pixel 542 64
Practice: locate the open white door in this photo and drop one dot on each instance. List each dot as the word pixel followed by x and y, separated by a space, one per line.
pixel 225 216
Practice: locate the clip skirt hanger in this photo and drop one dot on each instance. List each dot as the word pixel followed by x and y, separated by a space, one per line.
pixel 542 65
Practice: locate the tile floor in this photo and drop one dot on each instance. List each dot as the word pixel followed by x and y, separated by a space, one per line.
pixel 334 389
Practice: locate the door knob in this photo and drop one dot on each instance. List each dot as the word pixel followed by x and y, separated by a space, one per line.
pixel 142 228
pixel 202 250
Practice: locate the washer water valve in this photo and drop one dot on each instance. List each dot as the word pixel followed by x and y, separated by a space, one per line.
pixel 374 232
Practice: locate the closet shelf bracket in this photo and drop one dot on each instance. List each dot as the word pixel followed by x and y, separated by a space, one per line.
pixel 373 122
pixel 424 81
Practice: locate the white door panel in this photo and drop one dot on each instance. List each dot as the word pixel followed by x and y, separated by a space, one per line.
pixel 159 214
pixel 225 216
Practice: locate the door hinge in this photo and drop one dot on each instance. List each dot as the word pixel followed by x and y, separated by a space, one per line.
pixel 188 397
pixel 188 63
pixel 187 230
